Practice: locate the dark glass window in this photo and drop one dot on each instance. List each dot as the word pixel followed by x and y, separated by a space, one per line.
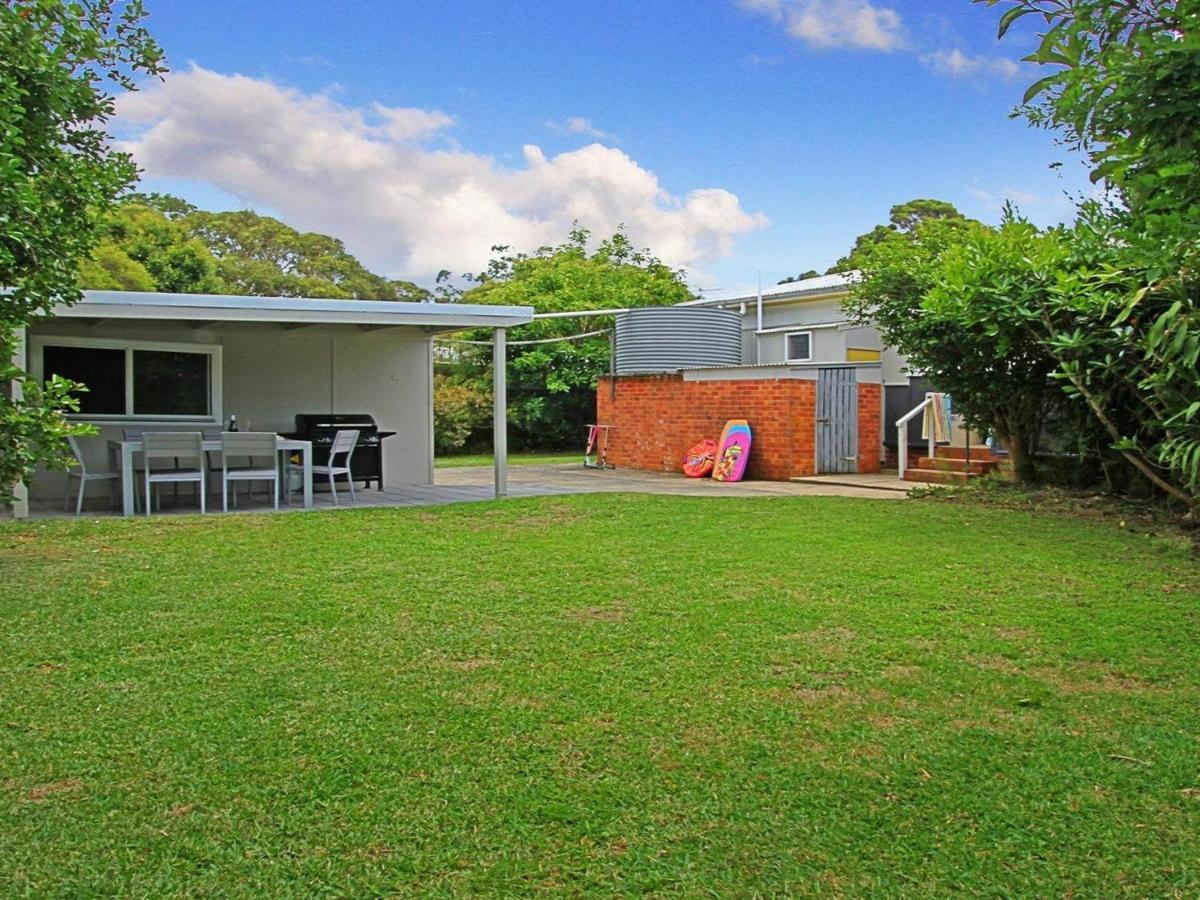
pixel 100 368
pixel 799 346
pixel 170 383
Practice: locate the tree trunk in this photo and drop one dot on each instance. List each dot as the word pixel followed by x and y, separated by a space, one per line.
pixel 1021 451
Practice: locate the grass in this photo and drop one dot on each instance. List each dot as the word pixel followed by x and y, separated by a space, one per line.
pixel 514 459
pixel 601 694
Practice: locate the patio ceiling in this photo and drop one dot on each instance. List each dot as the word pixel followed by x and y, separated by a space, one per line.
pixel 292 312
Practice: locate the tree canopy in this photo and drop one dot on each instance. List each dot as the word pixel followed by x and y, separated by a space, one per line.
pixel 60 63
pixel 551 391
pixel 159 242
pixel 903 219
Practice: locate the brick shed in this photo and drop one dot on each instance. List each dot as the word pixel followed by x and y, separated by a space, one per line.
pixel 657 417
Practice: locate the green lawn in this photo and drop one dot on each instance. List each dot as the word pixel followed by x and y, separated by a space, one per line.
pixel 514 459
pixel 600 694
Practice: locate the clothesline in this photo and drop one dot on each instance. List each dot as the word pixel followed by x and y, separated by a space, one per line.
pixel 571 337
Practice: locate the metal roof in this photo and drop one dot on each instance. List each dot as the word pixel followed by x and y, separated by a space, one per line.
pixel 809 288
pixel 291 310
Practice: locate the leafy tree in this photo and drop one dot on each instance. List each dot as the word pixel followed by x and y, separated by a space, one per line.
pixel 59 63
pixel 811 273
pixel 904 218
pixel 1125 325
pixel 261 255
pixel 158 242
pixel 459 408
pixel 552 385
pixel 914 289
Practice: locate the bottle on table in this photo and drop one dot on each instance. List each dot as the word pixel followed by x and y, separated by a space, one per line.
pixel 233 423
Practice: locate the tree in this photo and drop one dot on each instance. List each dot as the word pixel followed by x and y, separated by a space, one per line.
pixel 158 242
pixel 904 218
pixel 261 255
pixel 913 289
pixel 59 63
pixel 1124 88
pixel 552 386
pixel 811 273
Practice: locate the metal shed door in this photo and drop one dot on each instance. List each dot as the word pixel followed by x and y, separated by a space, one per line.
pixel 837 420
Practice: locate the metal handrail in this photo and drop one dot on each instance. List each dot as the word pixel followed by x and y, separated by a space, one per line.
pixel 902 437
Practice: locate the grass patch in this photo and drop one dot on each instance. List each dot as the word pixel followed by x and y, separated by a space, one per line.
pixel 601 694
pixel 514 459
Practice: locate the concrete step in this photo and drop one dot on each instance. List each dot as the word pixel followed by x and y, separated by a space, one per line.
pixel 936 476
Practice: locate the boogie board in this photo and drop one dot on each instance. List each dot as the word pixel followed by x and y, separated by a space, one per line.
pixel 699 461
pixel 733 451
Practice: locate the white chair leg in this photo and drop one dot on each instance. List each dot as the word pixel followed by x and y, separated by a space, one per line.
pixel 275 486
pixel 200 489
pixel 332 489
pixel 79 505
pixel 149 492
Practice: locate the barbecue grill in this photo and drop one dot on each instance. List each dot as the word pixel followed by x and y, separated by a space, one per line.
pixel 366 465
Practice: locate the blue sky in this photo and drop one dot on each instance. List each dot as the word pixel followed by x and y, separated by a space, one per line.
pixel 808 118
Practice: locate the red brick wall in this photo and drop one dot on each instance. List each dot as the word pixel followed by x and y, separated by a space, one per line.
pixel 658 417
pixel 870 421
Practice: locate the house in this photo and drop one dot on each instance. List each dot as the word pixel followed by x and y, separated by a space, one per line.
pixel 191 361
pixel 804 322
pixel 822 392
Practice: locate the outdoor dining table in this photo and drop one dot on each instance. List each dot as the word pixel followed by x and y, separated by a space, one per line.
pixel 121 458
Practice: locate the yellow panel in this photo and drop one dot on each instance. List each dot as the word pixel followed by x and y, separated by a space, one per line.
pixel 855 355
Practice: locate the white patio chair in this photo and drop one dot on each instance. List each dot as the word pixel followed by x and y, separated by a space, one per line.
pixel 255 446
pixel 84 475
pixel 343 443
pixel 184 446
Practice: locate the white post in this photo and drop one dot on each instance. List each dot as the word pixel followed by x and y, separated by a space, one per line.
pixel 499 413
pixel 758 326
pixel 902 444
pixel 20 502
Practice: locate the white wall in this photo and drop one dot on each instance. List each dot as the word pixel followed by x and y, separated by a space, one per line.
pixel 270 373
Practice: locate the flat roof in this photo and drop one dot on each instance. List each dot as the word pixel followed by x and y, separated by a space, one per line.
pixel 292 310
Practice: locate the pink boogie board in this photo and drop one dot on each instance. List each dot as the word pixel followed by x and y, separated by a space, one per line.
pixel 733 451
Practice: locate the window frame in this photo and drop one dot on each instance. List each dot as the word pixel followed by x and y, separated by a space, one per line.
pixel 215 416
pixel 787 347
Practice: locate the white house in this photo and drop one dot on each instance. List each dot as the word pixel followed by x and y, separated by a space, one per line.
pixel 189 361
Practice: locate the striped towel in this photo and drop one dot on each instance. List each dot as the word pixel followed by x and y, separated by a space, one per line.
pixel 936 422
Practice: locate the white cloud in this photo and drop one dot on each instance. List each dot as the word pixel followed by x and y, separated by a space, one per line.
pixel 835 23
pixel 581 126
pixel 404 207
pixel 957 64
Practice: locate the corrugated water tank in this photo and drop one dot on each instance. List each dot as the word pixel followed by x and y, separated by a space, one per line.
pixel 669 338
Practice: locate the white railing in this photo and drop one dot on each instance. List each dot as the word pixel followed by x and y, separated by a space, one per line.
pixel 902 434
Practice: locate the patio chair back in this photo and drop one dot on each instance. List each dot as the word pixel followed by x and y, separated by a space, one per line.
pixel 174 445
pixel 343 442
pixel 73 443
pixel 253 444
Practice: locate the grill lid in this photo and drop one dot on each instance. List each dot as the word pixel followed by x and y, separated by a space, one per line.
pixel 307 423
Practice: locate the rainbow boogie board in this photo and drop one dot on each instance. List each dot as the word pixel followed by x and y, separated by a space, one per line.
pixel 733 451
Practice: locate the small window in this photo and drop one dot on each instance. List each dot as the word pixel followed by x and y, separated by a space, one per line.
pixel 799 346
pixel 135 379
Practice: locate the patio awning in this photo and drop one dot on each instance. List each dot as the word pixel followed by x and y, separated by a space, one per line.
pixel 432 317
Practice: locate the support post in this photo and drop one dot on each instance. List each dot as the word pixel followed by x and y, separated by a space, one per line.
pixel 20 502
pixel 499 412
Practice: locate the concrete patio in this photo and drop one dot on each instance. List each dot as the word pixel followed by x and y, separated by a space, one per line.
pixel 472 484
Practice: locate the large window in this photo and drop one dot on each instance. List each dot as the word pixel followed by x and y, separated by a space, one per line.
pixel 136 379
pixel 799 346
